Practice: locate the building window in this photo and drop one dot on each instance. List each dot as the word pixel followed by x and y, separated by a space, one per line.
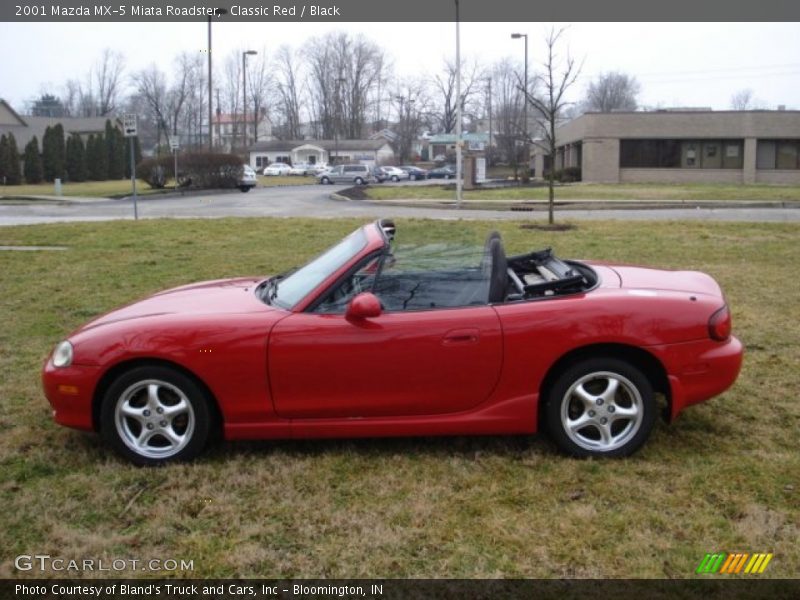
pixel 778 154
pixel 681 154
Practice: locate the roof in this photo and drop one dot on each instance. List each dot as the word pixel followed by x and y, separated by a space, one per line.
pixel 5 107
pixel 451 138
pixel 342 145
pixel 224 118
pixel 36 126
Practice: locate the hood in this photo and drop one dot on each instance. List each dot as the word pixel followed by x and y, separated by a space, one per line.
pixel 222 296
pixel 641 278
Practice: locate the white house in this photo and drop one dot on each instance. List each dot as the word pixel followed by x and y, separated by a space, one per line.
pixel 369 152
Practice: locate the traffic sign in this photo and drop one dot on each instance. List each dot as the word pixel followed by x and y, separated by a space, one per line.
pixel 174 143
pixel 129 124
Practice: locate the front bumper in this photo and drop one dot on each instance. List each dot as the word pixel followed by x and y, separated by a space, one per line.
pixel 70 391
pixel 700 370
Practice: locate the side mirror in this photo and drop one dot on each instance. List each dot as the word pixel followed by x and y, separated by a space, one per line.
pixel 364 306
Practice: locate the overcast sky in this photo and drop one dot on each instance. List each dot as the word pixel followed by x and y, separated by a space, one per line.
pixel 677 64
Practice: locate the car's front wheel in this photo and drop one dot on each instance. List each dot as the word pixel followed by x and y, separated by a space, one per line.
pixel 154 414
pixel 244 188
pixel 601 407
pixel 324 181
pixel 359 181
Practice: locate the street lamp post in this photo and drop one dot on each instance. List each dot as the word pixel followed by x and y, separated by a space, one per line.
pixel 245 54
pixel 220 12
pixel 516 36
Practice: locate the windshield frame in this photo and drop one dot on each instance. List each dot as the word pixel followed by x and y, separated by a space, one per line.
pixel 371 239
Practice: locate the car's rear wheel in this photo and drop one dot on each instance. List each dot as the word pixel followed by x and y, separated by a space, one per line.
pixel 601 407
pixel 154 414
pixel 395 178
pixel 325 181
pixel 359 181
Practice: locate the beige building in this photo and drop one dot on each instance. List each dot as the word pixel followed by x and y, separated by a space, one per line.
pixel 676 146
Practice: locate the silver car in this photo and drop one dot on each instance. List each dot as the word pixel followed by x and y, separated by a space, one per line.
pixel 356 174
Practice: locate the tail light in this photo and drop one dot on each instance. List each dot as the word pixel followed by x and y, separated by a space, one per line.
pixel 719 325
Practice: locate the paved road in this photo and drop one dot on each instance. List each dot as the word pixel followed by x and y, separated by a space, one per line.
pixel 315 201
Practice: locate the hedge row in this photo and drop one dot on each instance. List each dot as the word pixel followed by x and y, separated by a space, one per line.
pixel 196 171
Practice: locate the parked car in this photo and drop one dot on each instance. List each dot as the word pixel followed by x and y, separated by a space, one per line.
pixel 249 179
pixel 317 168
pixel 375 339
pixel 445 172
pixel 380 174
pixel 395 174
pixel 415 173
pixel 300 169
pixel 357 174
pixel 277 168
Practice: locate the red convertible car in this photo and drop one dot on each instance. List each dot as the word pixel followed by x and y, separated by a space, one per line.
pixel 374 339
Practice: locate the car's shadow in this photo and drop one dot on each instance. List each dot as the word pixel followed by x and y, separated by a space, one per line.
pixel 508 447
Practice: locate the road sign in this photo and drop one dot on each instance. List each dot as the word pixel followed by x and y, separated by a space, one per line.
pixel 174 143
pixel 129 125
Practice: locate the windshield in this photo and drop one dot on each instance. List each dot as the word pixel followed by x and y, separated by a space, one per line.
pixel 298 285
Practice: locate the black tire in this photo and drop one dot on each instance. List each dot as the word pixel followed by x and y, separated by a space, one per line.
pixel 244 188
pixel 395 178
pixel 324 181
pixel 359 181
pixel 617 423
pixel 131 391
pixel 447 176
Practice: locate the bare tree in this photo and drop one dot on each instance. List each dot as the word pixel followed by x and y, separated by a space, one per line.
pixel 507 101
pixel 445 85
pixel 287 83
pixel 191 123
pixel 612 91
pixel 411 102
pixel 557 78
pixel 151 86
pixel 745 100
pixel 108 78
pixel 232 91
pixel 260 86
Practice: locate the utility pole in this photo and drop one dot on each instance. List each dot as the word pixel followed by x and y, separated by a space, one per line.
pixel 219 12
pixel 526 152
pixel 458 108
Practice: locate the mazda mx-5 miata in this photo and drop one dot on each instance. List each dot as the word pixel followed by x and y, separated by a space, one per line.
pixel 375 339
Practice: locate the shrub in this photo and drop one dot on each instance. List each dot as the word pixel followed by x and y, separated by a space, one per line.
pixel 9 157
pixel 568 175
pixel 196 171
pixel 75 158
pixel 153 172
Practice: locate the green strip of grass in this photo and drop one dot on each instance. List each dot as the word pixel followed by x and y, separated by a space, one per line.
pixel 116 188
pixel 724 477
pixel 592 191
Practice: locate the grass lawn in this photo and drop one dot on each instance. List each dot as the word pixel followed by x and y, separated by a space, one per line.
pixel 597 191
pixel 724 477
pixel 122 187
pixel 87 189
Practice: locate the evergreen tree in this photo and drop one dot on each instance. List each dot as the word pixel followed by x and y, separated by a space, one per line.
pixel 96 158
pixel 3 158
pixel 137 155
pixel 60 150
pixel 75 158
pixel 49 157
pixel 33 162
pixel 13 171
pixel 114 151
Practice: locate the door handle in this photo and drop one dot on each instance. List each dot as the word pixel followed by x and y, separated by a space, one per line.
pixel 460 337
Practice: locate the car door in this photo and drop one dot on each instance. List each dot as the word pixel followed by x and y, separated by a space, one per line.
pixel 400 363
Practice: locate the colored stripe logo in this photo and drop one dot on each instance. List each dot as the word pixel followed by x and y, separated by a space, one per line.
pixel 737 562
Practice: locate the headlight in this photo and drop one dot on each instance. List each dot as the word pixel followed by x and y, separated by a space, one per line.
pixel 62 356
